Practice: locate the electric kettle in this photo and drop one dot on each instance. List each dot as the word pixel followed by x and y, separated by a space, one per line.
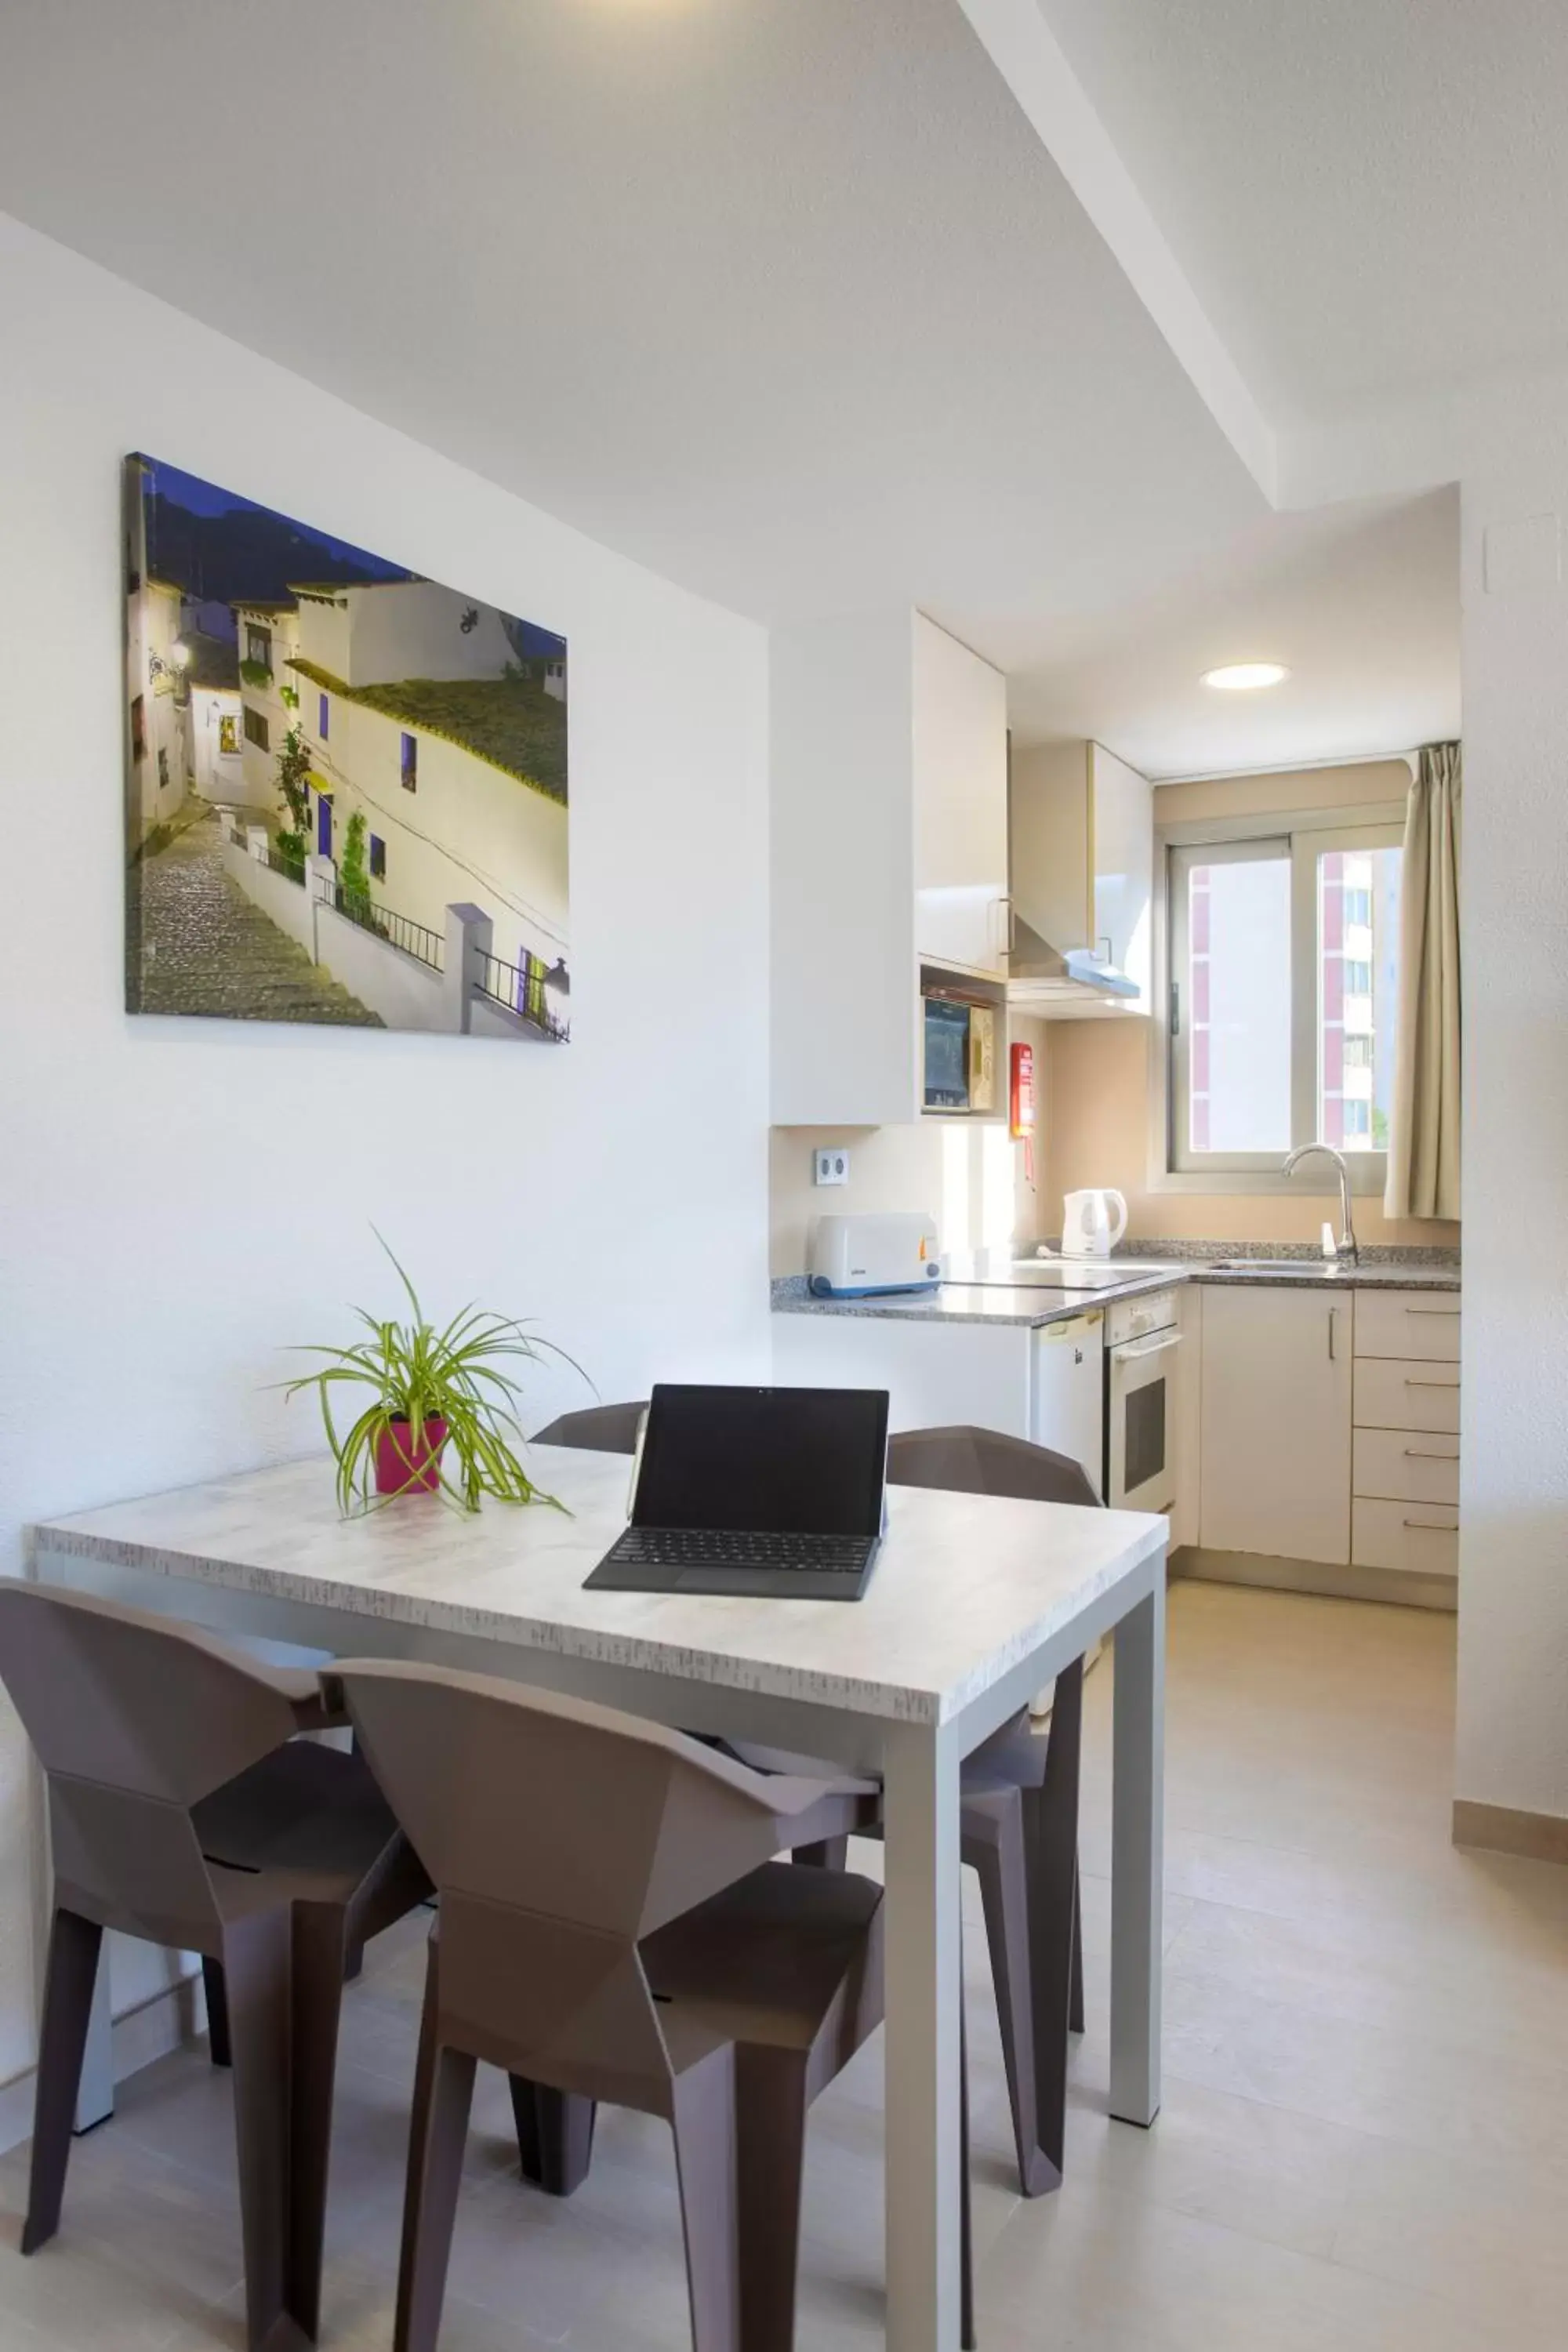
pixel 1087 1227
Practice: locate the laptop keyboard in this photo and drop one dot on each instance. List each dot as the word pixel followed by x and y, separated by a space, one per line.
pixel 699 1548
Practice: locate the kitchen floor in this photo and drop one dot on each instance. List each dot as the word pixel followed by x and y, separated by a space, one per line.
pixel 1363 2147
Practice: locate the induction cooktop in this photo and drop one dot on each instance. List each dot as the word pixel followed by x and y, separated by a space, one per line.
pixel 994 1272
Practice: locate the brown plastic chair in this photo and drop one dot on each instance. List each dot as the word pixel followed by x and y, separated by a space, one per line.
pixel 1018 1821
pixel 597 1429
pixel 612 1926
pixel 183 1810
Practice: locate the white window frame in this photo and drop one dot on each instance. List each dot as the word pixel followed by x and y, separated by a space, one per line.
pixel 1302 836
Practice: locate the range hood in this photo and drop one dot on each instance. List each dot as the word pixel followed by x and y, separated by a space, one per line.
pixel 1046 977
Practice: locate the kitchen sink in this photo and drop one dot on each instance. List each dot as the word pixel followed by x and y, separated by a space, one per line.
pixel 1304 1269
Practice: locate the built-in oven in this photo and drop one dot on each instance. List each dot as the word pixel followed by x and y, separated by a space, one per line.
pixel 1143 1353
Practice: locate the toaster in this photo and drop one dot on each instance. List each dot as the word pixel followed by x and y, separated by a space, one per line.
pixel 861 1257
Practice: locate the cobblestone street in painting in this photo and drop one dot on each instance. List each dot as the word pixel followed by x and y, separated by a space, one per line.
pixel 206 948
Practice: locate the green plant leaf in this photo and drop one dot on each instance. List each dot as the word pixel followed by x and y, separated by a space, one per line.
pixel 458 1374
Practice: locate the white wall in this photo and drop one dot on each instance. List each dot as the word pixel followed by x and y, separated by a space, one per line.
pixel 963 1172
pixel 179 1199
pixel 1513 1545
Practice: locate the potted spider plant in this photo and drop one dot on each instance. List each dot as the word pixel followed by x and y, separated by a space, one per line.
pixel 440 1416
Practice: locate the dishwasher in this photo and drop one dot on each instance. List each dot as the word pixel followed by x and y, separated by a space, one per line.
pixel 1067 1412
pixel 1067 1403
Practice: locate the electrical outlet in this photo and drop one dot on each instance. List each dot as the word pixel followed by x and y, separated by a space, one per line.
pixel 830 1166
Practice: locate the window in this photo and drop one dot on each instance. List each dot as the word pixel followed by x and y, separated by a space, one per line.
pixel 323 719
pixel 255 730
pixel 258 646
pixel 139 726
pixel 1230 1000
pixel 410 764
pixel 1284 956
pixel 377 859
pixel 227 734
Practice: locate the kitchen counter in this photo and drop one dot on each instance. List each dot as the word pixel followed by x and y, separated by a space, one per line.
pixel 1029 1306
pixel 1318 1274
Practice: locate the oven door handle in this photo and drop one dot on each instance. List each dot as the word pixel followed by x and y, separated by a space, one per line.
pixel 1129 1350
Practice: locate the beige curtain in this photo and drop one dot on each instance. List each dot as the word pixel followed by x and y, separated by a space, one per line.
pixel 1423 1131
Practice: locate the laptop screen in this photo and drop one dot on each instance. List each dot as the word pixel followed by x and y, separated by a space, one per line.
pixel 769 1461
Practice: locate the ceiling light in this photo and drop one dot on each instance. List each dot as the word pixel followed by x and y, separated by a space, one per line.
pixel 1243 677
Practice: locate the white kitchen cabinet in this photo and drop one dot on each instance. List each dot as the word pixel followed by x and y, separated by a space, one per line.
pixel 1406 1466
pixel 1406 1514
pixel 1410 1323
pixel 1184 1518
pixel 1412 1394
pixel 1412 1538
pixel 1046 1384
pixel 1123 864
pixel 1082 872
pixel 887 847
pixel 936 1373
pixel 960 804
pixel 1276 1417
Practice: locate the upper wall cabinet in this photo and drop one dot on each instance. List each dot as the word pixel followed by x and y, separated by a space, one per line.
pixel 1082 866
pixel 889 851
pixel 960 804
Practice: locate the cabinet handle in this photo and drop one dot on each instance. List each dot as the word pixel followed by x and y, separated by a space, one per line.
pixel 1412 1383
pixel 1427 1454
pixel 1333 1334
pixel 1434 1527
pixel 1432 1310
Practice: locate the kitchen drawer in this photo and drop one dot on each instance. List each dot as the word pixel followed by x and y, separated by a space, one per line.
pixel 1394 1392
pixel 1418 1325
pixel 1422 1538
pixel 1406 1465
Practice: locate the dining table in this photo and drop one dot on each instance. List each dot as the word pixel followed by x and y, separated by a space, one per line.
pixel 975 1603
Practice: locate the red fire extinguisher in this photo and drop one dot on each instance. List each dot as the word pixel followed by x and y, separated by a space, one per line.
pixel 1021 1104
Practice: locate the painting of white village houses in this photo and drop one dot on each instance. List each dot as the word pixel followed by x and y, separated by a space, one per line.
pixel 346 786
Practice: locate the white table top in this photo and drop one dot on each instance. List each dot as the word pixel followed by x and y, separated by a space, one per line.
pixel 965 1588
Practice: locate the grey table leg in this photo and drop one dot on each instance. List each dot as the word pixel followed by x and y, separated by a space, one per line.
pixel 1137 1857
pixel 923 1992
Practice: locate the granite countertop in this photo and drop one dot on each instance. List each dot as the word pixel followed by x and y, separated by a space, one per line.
pixel 1027 1306
pixel 1160 1265
pixel 1316 1273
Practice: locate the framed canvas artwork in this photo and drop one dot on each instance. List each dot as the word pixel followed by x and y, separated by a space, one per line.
pixel 345 785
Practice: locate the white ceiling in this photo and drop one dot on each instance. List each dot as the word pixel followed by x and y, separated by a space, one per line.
pixel 1367 197
pixel 787 299
pixel 1360 602
pixel 783 297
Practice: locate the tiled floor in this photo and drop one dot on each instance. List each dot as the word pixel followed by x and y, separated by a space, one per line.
pixel 1364 2148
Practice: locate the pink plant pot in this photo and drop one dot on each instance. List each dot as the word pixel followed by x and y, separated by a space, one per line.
pixel 408 1466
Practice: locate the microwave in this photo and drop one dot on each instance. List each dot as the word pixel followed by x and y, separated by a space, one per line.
pixel 960 1055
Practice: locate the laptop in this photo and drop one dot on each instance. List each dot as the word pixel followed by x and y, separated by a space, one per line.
pixel 775 1492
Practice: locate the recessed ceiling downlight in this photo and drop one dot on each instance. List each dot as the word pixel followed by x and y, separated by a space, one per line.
pixel 1244 677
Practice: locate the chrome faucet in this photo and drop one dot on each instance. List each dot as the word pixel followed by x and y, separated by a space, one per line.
pixel 1348 1247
